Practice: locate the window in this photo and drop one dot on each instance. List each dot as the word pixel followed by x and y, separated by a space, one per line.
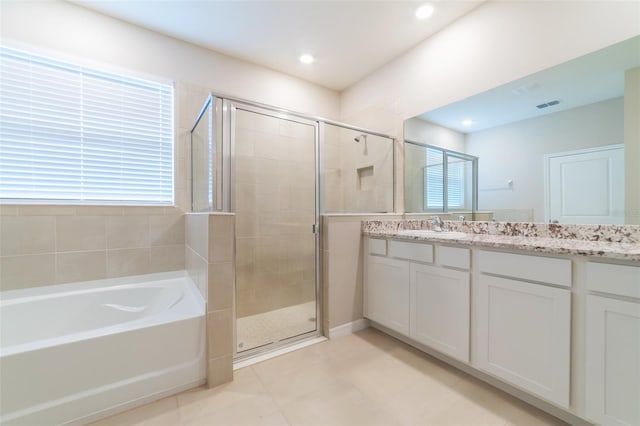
pixel 447 175
pixel 73 134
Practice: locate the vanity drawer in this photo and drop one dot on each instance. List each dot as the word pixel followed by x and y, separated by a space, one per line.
pixel 620 280
pixel 378 246
pixel 419 252
pixel 533 268
pixel 454 257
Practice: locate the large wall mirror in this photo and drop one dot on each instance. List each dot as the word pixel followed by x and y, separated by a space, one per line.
pixel 551 147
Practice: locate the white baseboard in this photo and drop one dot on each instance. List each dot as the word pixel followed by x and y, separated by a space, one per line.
pixel 348 328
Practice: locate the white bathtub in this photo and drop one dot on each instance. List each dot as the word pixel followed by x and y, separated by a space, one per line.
pixel 77 352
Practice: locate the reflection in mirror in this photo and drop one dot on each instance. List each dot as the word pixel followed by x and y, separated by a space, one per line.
pixel 440 181
pixel 561 145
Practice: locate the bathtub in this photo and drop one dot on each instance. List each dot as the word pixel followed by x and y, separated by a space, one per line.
pixel 78 352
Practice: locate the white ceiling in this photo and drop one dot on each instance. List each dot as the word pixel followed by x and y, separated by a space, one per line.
pixel 349 39
pixel 588 79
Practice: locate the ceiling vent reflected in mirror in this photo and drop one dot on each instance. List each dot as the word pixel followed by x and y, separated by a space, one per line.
pixel 548 104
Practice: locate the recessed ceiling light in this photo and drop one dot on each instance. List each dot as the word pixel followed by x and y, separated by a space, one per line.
pixel 306 58
pixel 424 11
pixel 467 122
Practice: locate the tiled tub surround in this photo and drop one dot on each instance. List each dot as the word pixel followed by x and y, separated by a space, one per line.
pixel 210 262
pixel 56 244
pixel 621 242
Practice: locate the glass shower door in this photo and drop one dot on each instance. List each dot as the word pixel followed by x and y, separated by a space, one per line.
pixel 274 197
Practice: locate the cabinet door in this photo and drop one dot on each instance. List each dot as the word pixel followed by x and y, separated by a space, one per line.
pixel 440 309
pixel 613 361
pixel 387 293
pixel 524 335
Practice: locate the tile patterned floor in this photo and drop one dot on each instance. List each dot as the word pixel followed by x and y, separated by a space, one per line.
pixel 366 378
pixel 268 327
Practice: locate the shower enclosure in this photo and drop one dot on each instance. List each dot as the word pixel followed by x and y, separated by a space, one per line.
pixel 263 164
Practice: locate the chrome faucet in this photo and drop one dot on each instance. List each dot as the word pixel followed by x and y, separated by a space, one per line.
pixel 437 224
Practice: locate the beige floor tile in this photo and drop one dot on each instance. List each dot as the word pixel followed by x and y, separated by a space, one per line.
pixel 381 378
pixel 363 379
pixel 163 412
pixel 289 387
pixel 481 404
pixel 202 401
pixel 421 400
pixel 337 404
pixel 254 411
pixel 291 363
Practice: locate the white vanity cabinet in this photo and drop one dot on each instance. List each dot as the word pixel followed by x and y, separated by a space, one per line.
pixel 421 291
pixel 524 330
pixel 386 293
pixel 613 344
pixel 440 309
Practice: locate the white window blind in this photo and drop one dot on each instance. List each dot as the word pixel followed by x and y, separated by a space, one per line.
pixel 70 133
pixel 434 180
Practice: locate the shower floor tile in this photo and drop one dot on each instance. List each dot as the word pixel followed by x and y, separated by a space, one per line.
pixel 268 327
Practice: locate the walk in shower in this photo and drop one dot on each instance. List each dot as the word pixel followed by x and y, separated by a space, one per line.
pixel 263 164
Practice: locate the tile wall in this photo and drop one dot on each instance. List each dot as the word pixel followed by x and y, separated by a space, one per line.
pixel 358 176
pixel 56 244
pixel 209 260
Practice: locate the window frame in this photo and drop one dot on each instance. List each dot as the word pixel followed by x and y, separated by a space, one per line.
pixel 446 153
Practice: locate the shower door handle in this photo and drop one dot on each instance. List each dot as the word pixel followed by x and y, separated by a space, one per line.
pixel 314 228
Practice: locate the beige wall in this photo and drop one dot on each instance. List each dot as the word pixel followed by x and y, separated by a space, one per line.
pixel 64 28
pixel 418 130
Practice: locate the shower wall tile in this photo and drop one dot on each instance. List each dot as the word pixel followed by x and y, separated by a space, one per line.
pixel 77 233
pixel 127 232
pixel 125 262
pixel 26 271
pixel 27 235
pixel 81 266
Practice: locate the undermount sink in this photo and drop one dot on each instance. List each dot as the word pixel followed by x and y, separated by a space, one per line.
pixel 432 233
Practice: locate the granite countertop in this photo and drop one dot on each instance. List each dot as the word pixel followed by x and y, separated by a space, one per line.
pixel 605 242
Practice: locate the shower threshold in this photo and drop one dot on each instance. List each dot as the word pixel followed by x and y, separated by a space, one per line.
pixel 269 331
